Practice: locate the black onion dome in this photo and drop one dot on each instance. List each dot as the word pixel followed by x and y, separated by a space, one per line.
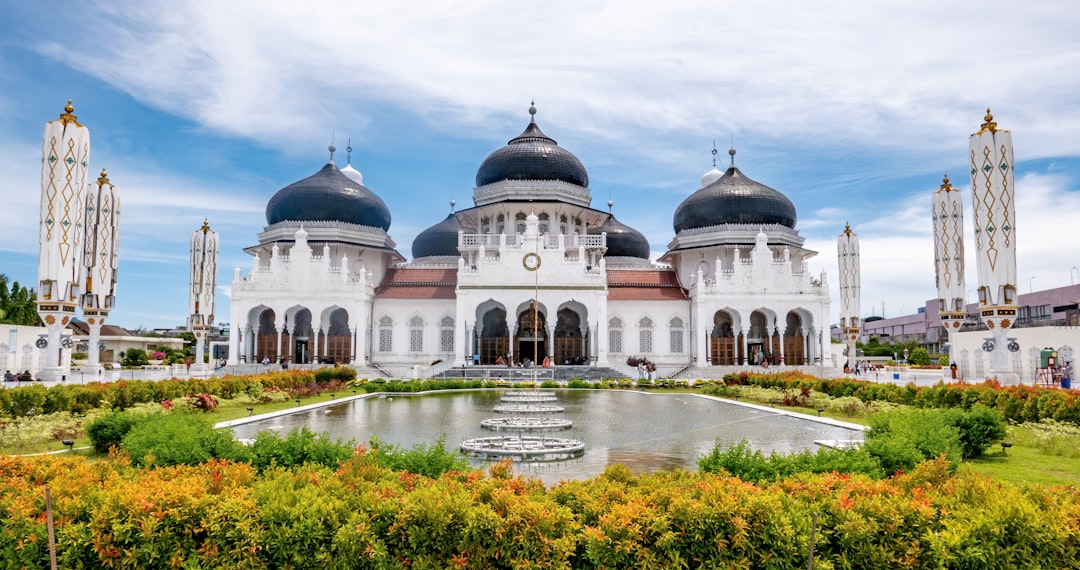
pixel 734 199
pixel 623 240
pixel 328 195
pixel 440 239
pixel 532 155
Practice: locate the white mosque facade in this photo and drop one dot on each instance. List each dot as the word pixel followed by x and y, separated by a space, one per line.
pixel 530 272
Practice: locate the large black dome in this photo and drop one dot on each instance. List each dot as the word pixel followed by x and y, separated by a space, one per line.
pixel 328 195
pixel 440 239
pixel 532 155
pixel 734 199
pixel 623 240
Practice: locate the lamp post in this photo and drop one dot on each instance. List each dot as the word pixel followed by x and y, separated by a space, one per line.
pixel 1031 284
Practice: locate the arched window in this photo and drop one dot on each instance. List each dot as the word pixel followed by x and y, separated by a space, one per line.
pixel 386 334
pixel 675 328
pixel 416 334
pixel 615 335
pixel 645 334
pixel 446 335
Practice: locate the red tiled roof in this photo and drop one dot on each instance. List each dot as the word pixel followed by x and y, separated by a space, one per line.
pixel 407 283
pixel 644 285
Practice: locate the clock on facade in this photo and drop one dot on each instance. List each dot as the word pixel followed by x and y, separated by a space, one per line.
pixel 531 261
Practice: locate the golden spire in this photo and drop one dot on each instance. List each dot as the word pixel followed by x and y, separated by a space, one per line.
pixel 847 230
pixel 205 226
pixel 67 116
pixel 989 124
pixel 104 179
pixel 945 186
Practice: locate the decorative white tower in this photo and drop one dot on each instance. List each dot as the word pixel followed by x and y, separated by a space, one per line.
pixel 65 157
pixel 947 209
pixel 847 246
pixel 100 253
pixel 994 213
pixel 204 257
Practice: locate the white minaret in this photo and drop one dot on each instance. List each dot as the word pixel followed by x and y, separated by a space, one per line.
pixel 847 249
pixel 65 158
pixel 994 213
pixel 947 211
pixel 204 257
pixel 100 254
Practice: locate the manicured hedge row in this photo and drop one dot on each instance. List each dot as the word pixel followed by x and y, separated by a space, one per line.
pixel 225 515
pixel 1016 403
pixel 77 398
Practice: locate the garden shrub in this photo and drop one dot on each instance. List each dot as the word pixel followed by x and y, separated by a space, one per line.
pixel 180 439
pixel 901 439
pixel 428 460
pixel 298 447
pixel 979 428
pixel 109 430
pixel 741 461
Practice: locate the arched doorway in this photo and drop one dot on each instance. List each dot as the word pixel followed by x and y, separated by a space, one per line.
pixel 794 340
pixel 266 340
pixel 494 338
pixel 338 338
pixel 723 350
pixel 301 337
pixel 532 335
pixel 759 345
pixel 569 342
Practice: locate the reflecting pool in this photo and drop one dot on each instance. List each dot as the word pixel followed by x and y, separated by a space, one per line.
pixel 644 431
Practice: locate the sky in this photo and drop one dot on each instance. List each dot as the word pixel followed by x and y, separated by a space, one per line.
pixel 202 109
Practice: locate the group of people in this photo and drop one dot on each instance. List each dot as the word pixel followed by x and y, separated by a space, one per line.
pixel 861 368
pixel 25 376
pixel 524 363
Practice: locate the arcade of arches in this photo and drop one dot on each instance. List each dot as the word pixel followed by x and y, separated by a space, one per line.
pixel 758 345
pixel 567 344
pixel 296 341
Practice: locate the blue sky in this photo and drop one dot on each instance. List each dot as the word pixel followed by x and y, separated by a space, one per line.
pixel 202 109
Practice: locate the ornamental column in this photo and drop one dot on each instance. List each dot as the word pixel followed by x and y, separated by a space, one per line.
pixel 948 221
pixel 848 254
pixel 100 253
pixel 994 213
pixel 65 157
pixel 204 258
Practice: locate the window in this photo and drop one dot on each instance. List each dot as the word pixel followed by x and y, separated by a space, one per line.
pixel 676 331
pixel 386 334
pixel 615 336
pixel 446 335
pixel 645 335
pixel 416 334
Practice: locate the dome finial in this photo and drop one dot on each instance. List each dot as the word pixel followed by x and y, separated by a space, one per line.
pixel 532 111
pixel 714 153
pixel 332 148
pixel 348 149
pixel 731 151
pixel 453 203
pixel 609 205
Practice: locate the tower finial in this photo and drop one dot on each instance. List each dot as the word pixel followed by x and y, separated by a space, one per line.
pixel 714 153
pixel 104 178
pixel 532 111
pixel 68 115
pixel 988 122
pixel 847 229
pixel 205 225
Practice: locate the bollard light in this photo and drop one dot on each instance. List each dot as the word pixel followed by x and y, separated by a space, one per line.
pixel 298 401
pixel 1005 445
pixel 819 410
pixel 332 395
pixel 70 443
pixel 250 410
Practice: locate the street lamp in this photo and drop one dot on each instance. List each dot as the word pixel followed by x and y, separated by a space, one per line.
pixel 1074 273
pixel 1030 282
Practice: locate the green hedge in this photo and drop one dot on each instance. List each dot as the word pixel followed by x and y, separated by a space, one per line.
pixel 361 515
pixel 1016 403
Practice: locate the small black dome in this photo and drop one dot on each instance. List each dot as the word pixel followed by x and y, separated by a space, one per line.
pixel 532 155
pixel 623 240
pixel 440 239
pixel 734 199
pixel 328 195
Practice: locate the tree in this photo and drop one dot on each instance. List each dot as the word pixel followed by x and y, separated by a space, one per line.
pixel 18 304
pixel 919 357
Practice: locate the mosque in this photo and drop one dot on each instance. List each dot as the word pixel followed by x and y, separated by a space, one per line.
pixel 531 273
